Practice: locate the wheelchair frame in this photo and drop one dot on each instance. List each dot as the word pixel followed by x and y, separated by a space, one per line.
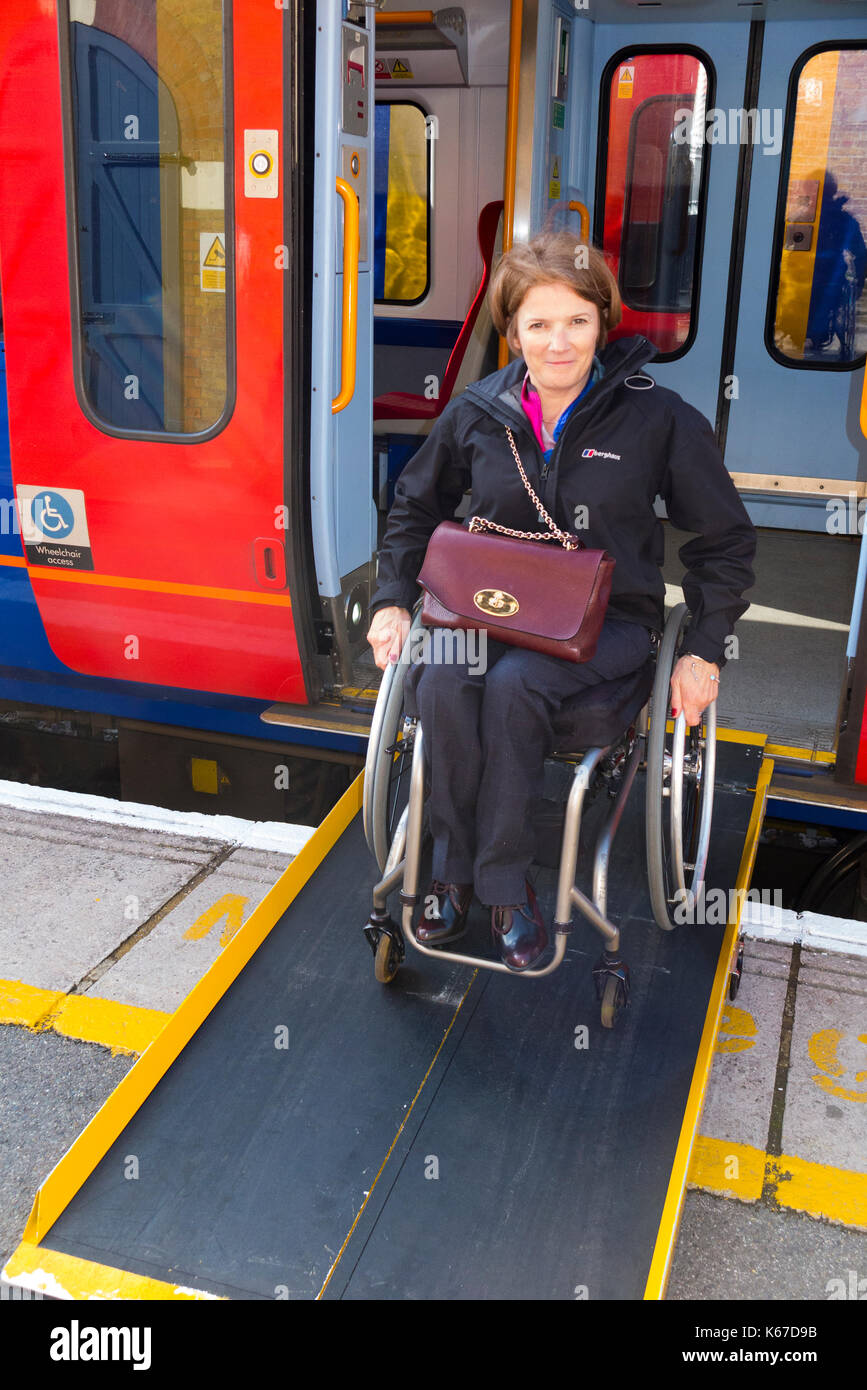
pixel 680 772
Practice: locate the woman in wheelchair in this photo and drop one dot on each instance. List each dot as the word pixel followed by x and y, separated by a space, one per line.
pixel 599 440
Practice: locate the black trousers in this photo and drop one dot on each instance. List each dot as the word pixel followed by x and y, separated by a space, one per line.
pixel 488 730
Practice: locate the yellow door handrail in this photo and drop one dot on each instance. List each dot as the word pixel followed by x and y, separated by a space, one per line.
pixel 516 20
pixel 864 404
pixel 581 208
pixel 351 244
pixel 405 17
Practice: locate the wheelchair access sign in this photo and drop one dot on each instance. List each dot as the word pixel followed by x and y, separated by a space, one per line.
pixel 54 527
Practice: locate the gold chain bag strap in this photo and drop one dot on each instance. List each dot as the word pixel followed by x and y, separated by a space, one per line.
pixel 479 523
pixel 494 578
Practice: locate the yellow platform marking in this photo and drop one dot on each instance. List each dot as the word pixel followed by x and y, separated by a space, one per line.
pixel 26 1004
pixel 818 1189
pixel 822 1048
pixel 231 906
pixel 125 1028
pixel 65 1276
pixel 673 1206
pixel 734 1170
pixel 741 1028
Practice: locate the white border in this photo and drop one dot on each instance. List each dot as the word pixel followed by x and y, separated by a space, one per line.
pixel 267 835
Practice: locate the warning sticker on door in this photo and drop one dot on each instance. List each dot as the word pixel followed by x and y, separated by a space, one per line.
pixel 625 80
pixel 54 527
pixel 212 262
pixel 388 69
pixel 554 181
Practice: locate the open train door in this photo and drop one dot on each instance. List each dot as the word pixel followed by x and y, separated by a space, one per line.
pixel 156 272
pixel 343 516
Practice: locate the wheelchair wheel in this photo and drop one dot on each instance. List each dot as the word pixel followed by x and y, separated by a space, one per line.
pixel 613 1001
pixel 680 783
pixel 388 756
pixel 387 960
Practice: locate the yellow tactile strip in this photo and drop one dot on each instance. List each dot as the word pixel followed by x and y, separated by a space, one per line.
pixel 738 1170
pixel 125 1028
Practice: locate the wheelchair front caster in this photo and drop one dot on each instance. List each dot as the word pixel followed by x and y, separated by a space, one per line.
pixel 611 978
pixel 385 939
pixel 735 976
pixel 614 1001
pixel 387 960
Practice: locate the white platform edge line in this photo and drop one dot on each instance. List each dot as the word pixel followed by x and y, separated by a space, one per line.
pixel 267 835
pixel 763 922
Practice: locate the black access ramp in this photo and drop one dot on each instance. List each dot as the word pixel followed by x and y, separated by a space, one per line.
pixel 441 1137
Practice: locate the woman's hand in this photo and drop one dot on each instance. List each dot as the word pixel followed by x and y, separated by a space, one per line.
pixel 387 634
pixel 692 688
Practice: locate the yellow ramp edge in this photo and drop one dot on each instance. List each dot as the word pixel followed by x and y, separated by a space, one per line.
pixel 660 1264
pixel 65 1276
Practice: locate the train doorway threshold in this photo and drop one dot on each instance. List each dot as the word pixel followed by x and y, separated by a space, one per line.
pixel 299 1131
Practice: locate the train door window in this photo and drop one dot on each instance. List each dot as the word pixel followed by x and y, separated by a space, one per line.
pixel 817 309
pixel 651 199
pixel 402 202
pixel 146 112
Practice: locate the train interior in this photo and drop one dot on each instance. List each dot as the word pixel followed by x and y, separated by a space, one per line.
pixel 723 249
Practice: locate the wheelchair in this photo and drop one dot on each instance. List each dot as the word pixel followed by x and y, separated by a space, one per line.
pixel 605 733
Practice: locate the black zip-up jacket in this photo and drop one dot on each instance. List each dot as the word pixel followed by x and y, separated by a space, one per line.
pixel 629 441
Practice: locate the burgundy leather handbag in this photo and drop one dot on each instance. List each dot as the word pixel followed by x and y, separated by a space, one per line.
pixel 549 600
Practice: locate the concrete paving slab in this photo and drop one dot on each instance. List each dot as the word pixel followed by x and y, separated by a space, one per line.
pixel 73 890
pixel 741 1087
pixel 162 968
pixel 50 1089
pixel 826 1098
pixel 726 1250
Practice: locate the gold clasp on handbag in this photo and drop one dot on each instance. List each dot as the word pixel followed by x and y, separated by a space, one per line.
pixel 496 602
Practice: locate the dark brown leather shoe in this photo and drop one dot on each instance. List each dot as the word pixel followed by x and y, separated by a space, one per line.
pixel 519 932
pixel 447 919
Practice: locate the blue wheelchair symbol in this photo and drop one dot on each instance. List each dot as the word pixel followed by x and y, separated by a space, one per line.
pixel 53 515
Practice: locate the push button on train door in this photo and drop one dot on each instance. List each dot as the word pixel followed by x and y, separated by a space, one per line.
pixel 260 163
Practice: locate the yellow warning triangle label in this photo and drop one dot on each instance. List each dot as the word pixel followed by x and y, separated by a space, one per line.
pixel 555 172
pixel 217 254
pixel 399 67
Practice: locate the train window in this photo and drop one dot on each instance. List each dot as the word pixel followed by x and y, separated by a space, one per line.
pixel 146 112
pixel 402 200
pixel 817 308
pixel 651 197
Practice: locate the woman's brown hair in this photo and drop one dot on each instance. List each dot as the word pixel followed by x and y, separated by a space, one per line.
pixel 553 258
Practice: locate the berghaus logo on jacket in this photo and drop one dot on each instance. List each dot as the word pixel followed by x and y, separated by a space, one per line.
pixel 598 454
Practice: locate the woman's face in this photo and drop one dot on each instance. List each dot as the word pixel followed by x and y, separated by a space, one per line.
pixel 557 332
